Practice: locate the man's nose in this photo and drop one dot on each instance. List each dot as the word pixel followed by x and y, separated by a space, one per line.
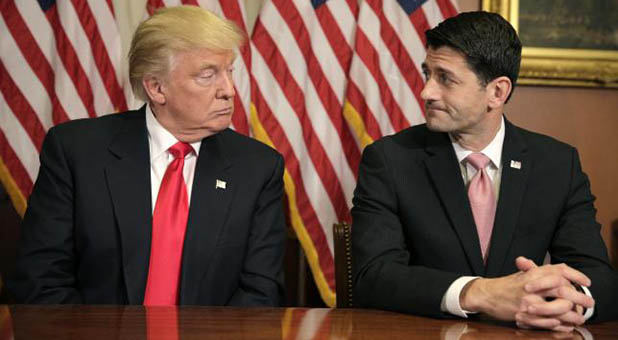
pixel 226 86
pixel 429 91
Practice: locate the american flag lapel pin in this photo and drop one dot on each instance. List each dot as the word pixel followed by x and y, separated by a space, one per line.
pixel 220 184
pixel 515 164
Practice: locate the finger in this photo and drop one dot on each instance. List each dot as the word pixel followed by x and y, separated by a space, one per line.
pixel 569 317
pixel 551 309
pixel 524 264
pixel 565 272
pixel 572 318
pixel 529 300
pixel 563 323
pixel 529 320
pixel 545 283
pixel 573 275
pixel 578 298
pixel 568 293
pixel 564 329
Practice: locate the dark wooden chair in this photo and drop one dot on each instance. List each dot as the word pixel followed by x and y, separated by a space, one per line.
pixel 342 233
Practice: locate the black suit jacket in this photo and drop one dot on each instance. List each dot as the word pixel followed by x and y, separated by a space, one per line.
pixel 86 233
pixel 414 233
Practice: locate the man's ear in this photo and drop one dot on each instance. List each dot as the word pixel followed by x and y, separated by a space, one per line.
pixel 154 89
pixel 499 90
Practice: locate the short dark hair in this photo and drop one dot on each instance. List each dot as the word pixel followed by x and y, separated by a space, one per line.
pixel 490 44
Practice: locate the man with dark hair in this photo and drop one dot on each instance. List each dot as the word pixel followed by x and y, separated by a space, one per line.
pixel 452 216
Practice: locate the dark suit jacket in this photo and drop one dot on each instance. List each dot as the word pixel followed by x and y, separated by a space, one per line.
pixel 86 234
pixel 414 234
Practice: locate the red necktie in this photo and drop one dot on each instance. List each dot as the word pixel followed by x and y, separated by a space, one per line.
pixel 169 223
pixel 482 201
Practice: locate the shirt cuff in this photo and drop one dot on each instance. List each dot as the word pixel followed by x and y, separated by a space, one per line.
pixel 450 300
pixel 589 311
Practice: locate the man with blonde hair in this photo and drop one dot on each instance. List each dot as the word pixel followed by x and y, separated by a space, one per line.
pixel 164 205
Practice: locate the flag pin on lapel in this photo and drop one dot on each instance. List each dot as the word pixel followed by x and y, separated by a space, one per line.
pixel 220 184
pixel 515 164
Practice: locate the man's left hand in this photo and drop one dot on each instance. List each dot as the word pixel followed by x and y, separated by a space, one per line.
pixel 552 302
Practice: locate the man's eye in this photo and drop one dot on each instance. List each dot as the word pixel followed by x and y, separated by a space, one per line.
pixel 445 79
pixel 205 78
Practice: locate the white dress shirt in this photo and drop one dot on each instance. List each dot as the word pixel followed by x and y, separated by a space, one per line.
pixel 493 151
pixel 450 300
pixel 159 141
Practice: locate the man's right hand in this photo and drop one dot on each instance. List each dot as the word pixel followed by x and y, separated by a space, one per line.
pixel 503 297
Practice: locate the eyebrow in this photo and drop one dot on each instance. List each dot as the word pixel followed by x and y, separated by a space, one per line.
pixel 439 69
pixel 207 66
pixel 443 70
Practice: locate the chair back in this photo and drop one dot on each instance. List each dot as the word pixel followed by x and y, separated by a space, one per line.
pixel 342 233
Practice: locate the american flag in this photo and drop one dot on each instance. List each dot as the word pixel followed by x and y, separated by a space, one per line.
pixel 58 61
pixel 386 77
pixel 301 56
pixel 318 81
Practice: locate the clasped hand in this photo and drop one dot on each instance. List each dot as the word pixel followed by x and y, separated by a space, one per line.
pixel 534 297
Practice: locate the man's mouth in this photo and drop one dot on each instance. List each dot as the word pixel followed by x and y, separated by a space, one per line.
pixel 434 109
pixel 225 111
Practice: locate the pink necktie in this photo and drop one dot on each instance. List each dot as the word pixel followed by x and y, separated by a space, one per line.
pixel 169 223
pixel 482 201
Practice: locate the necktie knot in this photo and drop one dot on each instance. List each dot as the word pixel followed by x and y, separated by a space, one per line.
pixel 478 160
pixel 180 150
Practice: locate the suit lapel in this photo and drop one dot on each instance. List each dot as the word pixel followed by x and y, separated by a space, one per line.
pixel 128 180
pixel 444 171
pixel 207 214
pixel 512 188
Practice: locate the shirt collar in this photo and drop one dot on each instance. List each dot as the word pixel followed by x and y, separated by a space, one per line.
pixel 160 138
pixel 493 150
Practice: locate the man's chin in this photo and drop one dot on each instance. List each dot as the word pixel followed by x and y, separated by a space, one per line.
pixel 197 135
pixel 434 125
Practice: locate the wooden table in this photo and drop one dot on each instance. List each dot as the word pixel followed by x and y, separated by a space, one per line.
pixel 169 323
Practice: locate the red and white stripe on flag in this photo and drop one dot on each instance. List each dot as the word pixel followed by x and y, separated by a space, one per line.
pixel 301 52
pixel 59 60
pixel 386 79
pixel 232 10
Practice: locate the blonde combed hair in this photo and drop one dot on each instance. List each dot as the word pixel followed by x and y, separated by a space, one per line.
pixel 173 30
